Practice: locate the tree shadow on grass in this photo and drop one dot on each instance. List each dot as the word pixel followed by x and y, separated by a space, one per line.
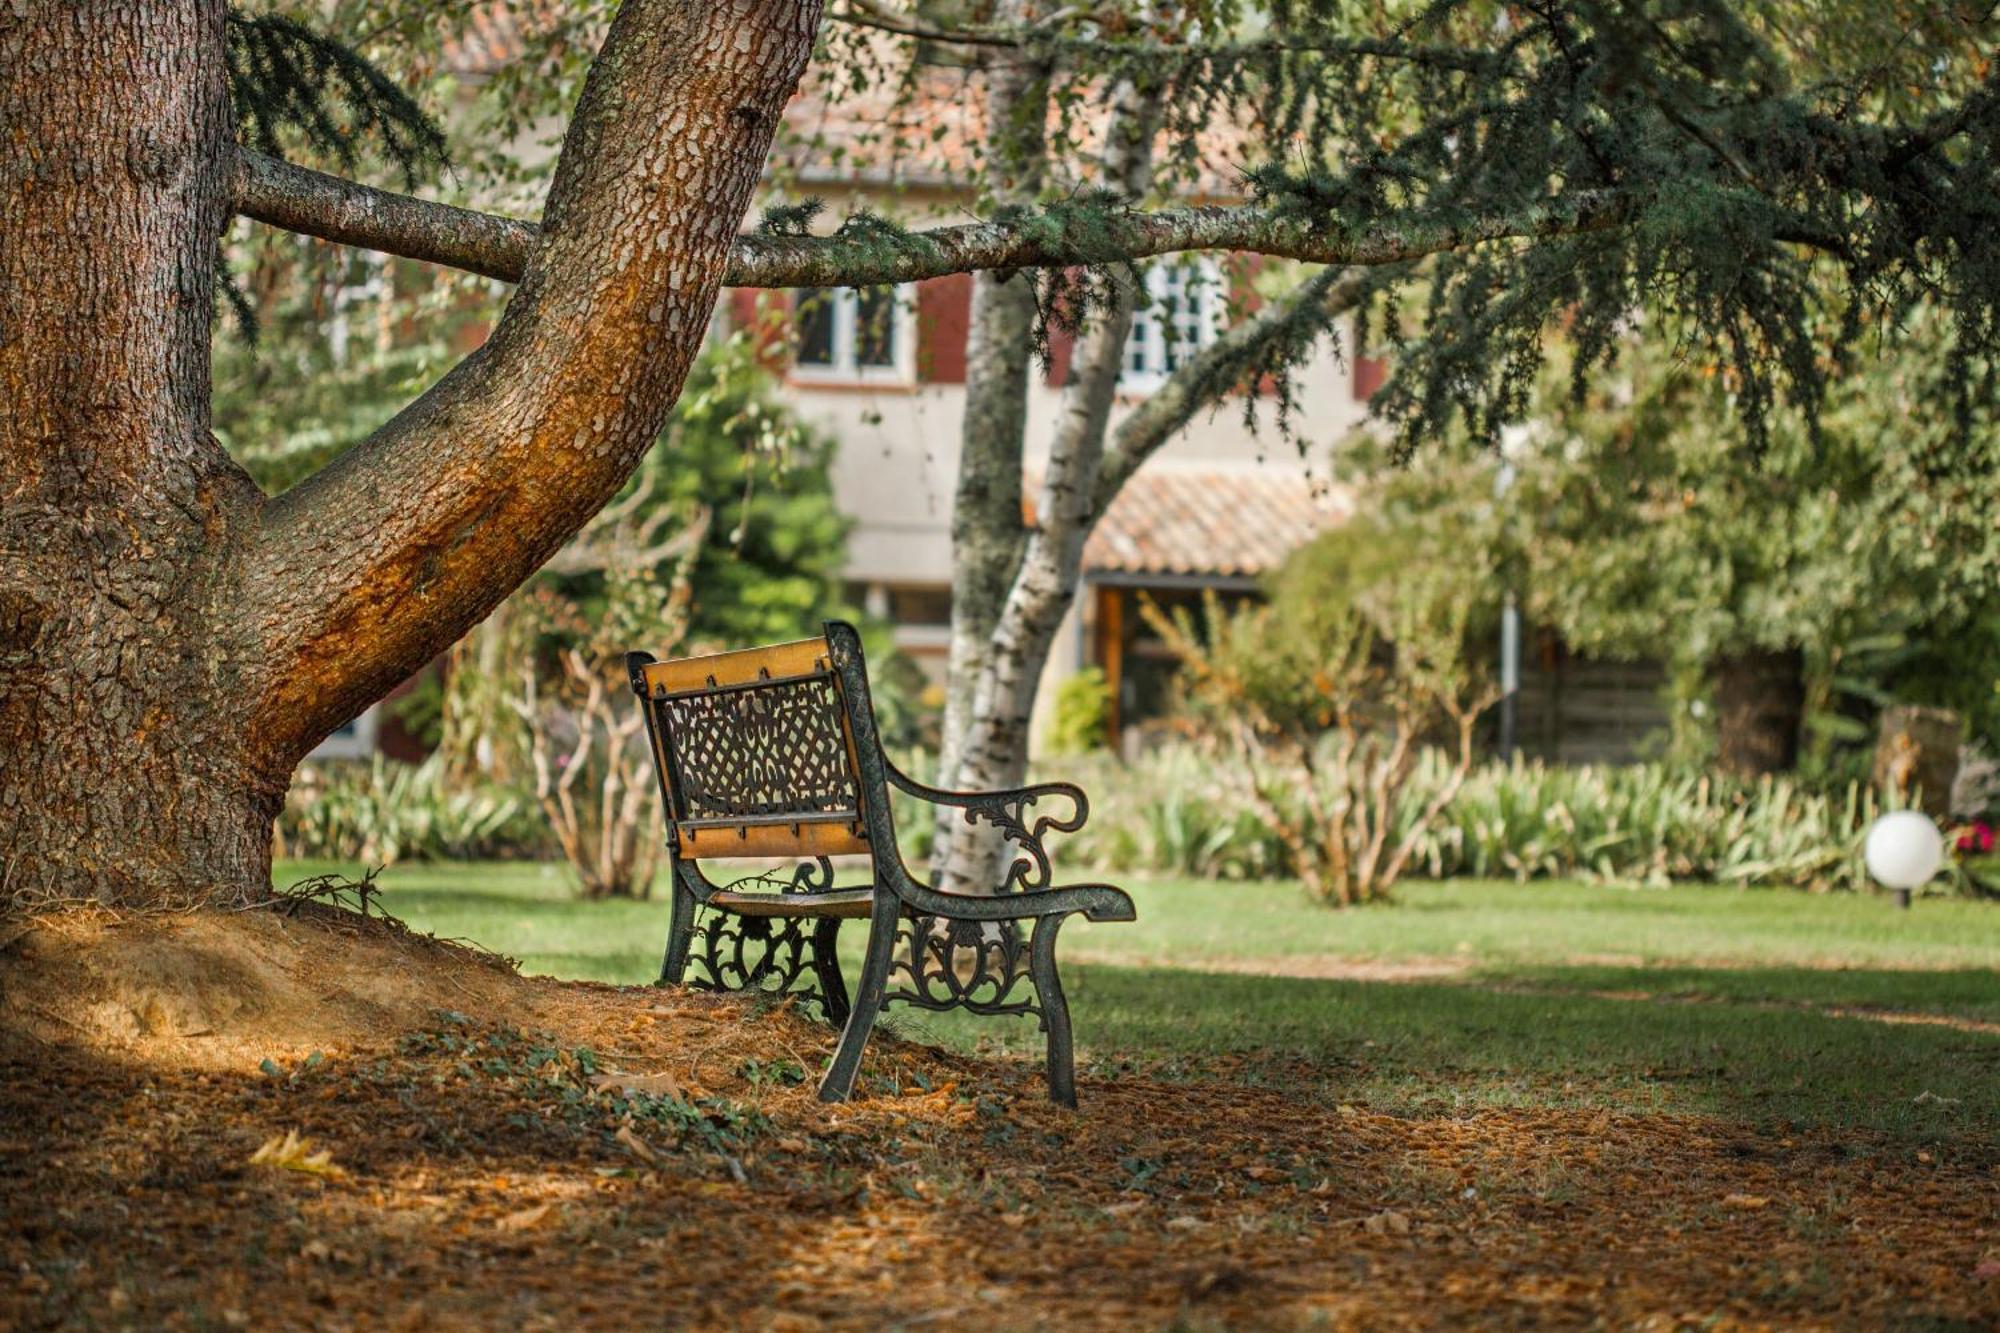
pixel 1970 996
pixel 1443 1048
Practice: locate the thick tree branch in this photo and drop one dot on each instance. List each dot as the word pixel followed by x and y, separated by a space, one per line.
pixel 347 212
pixel 383 558
pixel 1064 236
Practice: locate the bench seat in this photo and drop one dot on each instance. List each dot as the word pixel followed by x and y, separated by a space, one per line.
pixel 842 904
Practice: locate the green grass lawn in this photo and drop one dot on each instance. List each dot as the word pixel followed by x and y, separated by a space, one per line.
pixel 1765 1005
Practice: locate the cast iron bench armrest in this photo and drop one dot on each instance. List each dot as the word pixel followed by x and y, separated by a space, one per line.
pixel 983 800
pixel 1098 902
pixel 1007 810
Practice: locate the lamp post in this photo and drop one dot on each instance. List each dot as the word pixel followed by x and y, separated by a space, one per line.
pixel 1903 851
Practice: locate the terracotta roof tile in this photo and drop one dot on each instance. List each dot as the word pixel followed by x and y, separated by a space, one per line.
pixel 925 131
pixel 1230 523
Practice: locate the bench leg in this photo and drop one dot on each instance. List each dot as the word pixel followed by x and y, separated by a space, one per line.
pixel 1055 1010
pixel 680 934
pixel 826 970
pixel 838 1083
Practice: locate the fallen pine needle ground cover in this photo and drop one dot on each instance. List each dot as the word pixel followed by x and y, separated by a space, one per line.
pixel 249 1120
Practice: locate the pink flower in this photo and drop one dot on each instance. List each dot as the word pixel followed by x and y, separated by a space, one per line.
pixel 1976 838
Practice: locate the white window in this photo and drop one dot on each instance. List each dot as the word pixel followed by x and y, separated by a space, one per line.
pixel 849 333
pixel 1181 315
pixel 366 284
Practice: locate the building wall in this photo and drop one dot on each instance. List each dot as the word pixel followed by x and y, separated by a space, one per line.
pixel 896 468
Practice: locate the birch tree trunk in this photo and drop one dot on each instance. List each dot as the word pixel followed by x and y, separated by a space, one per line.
pixel 986 522
pixel 171 644
pixel 991 749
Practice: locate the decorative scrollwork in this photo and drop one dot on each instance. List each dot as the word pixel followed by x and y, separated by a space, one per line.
pixel 813 876
pixel 1007 811
pixel 776 955
pixel 978 965
pixel 760 749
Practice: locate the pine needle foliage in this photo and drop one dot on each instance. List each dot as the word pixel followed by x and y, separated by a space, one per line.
pixel 300 93
pixel 1708 162
pixel 294 88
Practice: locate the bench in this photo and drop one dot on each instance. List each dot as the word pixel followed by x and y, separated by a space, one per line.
pixel 773 754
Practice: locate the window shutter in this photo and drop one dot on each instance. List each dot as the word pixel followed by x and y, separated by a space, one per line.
pixel 944 317
pixel 1369 374
pixel 1239 275
pixel 765 314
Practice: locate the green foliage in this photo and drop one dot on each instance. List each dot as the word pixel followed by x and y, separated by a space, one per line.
pixel 383 812
pixel 1650 824
pixel 1173 811
pixel 1644 525
pixel 289 403
pixel 1324 698
pixel 296 88
pixel 1646 510
pixel 1080 719
pixel 776 544
pixel 1706 161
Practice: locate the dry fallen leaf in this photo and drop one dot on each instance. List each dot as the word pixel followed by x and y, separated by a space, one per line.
pixel 289 1152
pixel 524 1219
pixel 636 1145
pixel 1387 1224
pixel 661 1084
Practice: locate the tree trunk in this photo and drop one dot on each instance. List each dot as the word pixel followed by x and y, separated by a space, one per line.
pixel 171 644
pixel 1917 754
pixel 992 745
pixel 1759 706
pixel 124 773
pixel 986 522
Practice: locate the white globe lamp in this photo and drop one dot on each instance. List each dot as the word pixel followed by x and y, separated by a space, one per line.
pixel 1903 851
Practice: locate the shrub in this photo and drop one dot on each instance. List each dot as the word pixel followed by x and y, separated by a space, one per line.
pixel 1080 713
pixel 383 812
pixel 1323 700
pixel 1172 812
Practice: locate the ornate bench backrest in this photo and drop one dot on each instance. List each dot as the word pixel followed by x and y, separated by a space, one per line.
pixel 755 752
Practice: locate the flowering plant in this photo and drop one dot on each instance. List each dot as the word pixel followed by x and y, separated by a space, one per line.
pixel 1975 839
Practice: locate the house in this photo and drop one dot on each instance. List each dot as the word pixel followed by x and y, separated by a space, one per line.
pixel 883 371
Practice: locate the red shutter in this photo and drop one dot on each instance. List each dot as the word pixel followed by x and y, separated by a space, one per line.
pixel 1062 342
pixel 944 316
pixel 1239 280
pixel 1242 301
pixel 763 313
pixel 1369 374
pixel 1062 348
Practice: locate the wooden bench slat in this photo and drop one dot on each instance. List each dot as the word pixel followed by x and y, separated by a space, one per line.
pixel 770 840
pixel 691 673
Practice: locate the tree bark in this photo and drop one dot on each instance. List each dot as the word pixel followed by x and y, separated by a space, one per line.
pixel 993 743
pixel 987 530
pixel 1759 707
pixel 1917 753
pixel 170 643
pixel 121 774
